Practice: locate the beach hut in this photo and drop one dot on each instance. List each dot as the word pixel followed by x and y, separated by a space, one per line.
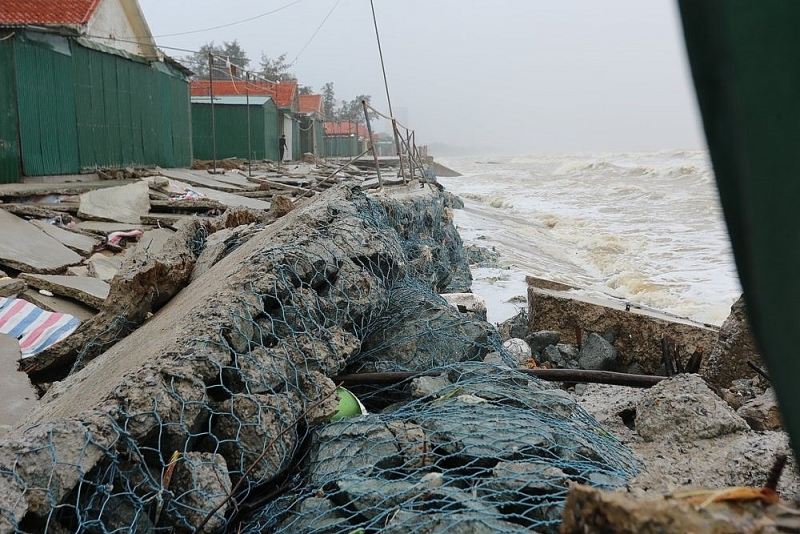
pixel 311 124
pixel 232 114
pixel 344 138
pixel 83 86
pixel 283 94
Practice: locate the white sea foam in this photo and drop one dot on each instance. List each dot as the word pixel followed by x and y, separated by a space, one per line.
pixel 643 227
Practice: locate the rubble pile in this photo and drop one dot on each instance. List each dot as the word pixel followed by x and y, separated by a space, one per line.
pixel 195 400
pixel 216 311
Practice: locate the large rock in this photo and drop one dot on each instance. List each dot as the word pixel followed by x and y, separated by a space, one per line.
pixel 683 408
pixel 412 338
pixel 592 510
pixel 597 354
pixel 762 413
pixel 734 348
pixel 636 333
pixel 200 483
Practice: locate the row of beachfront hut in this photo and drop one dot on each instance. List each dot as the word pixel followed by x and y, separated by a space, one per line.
pixel 83 86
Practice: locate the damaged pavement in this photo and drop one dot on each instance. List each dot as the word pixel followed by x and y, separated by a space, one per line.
pixel 212 313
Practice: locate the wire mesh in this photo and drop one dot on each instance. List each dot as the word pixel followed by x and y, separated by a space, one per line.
pixel 231 431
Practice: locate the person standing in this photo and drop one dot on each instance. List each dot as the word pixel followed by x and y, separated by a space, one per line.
pixel 282 146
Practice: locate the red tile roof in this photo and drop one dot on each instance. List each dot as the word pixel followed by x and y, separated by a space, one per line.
pixel 282 92
pixel 286 93
pixel 310 103
pixel 345 128
pixel 46 12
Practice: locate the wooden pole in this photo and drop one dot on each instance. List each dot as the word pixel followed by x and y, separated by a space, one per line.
pixel 399 151
pixel 371 144
pixel 249 141
pixel 213 123
pixel 549 375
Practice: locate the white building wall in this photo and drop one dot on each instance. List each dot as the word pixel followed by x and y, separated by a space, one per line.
pixel 110 25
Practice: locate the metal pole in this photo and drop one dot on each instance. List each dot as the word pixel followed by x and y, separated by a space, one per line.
pixel 213 122
pixel 371 144
pixel 249 147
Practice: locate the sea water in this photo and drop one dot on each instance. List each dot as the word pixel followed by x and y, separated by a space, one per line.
pixel 644 227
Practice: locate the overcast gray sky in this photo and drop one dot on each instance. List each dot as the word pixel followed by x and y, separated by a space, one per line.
pixel 518 76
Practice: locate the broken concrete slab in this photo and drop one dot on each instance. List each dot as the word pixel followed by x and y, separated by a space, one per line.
pixel 214 250
pixel 18 396
pixel 70 188
pixel 223 195
pixel 151 273
pixel 121 204
pixel 80 243
pixel 86 289
pixel 232 200
pixel 200 178
pixel 26 248
pixel 237 179
pixel 11 287
pixel 58 304
pixel 78 270
pixel 103 266
pixel 636 333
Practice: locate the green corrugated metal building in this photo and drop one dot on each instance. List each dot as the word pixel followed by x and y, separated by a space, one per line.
pixel 230 121
pixel 337 146
pixel 70 105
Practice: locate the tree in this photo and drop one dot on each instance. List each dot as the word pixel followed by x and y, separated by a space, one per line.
pixel 229 59
pixel 305 90
pixel 276 70
pixel 353 111
pixel 328 102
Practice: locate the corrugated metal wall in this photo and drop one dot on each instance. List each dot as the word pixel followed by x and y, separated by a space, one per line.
pixel 271 129
pixel 311 131
pixel 9 141
pixel 231 131
pixel 341 146
pixel 129 113
pixel 81 108
pixel 46 106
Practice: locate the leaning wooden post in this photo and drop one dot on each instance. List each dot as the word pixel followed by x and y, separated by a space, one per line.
pixel 371 144
pixel 399 151
pixel 411 160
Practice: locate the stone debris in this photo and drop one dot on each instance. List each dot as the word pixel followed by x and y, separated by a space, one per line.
pixel 635 333
pixel 229 300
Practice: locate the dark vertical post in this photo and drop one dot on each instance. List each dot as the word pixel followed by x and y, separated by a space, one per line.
pixel 372 145
pixel 399 151
pixel 213 122
pixel 249 147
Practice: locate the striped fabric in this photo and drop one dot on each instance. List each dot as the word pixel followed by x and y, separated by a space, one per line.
pixel 34 328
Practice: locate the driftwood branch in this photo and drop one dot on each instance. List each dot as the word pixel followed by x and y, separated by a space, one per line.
pixel 550 375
